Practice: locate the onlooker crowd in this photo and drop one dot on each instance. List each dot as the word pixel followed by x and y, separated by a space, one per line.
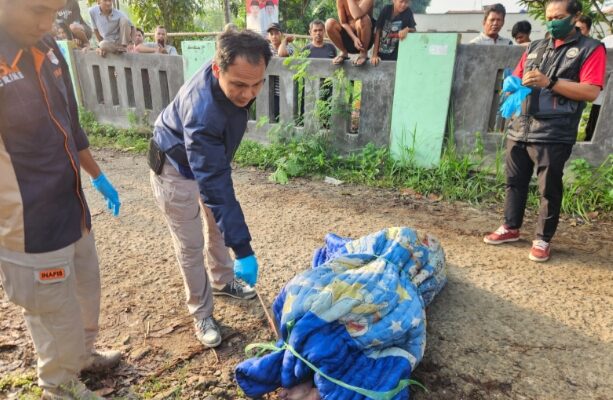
pixel 521 33
pixel 493 21
pixel 113 29
pixel 160 46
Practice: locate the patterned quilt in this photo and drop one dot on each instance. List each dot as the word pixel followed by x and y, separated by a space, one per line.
pixel 355 323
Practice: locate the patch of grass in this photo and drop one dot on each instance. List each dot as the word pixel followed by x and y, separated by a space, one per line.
pixel 459 177
pixel 134 139
pixel 25 384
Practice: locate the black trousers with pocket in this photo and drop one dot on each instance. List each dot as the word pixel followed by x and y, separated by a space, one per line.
pixel 549 159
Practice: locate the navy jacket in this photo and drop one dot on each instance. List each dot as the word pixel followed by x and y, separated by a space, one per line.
pixel 42 206
pixel 200 132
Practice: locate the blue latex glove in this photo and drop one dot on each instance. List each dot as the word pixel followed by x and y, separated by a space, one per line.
pixel 247 269
pixel 111 196
pixel 516 94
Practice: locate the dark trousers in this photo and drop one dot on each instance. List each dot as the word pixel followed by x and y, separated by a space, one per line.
pixel 549 159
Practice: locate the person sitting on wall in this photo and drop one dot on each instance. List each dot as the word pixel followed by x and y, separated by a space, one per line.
pixel 112 28
pixel 521 33
pixel 353 32
pixel 564 72
pixel 70 15
pixel 318 48
pixel 584 24
pixel 393 25
pixel 493 21
pixel 160 46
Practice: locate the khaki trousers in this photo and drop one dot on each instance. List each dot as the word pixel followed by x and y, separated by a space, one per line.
pixel 125 38
pixel 179 200
pixel 59 293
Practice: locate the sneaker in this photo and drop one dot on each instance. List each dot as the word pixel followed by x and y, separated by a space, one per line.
pixel 208 332
pixel 236 289
pixel 101 361
pixel 74 390
pixel 502 235
pixel 540 251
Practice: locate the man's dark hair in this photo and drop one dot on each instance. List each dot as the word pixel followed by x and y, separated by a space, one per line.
pixel 586 20
pixel 573 7
pixel 317 22
pixel 248 44
pixel 521 27
pixel 494 8
pixel 142 32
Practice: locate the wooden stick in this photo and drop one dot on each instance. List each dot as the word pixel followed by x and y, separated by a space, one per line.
pixel 271 321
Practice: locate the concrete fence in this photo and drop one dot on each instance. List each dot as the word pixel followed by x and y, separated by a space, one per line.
pixel 114 87
pixel 117 86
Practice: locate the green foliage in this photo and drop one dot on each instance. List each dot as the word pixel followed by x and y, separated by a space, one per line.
pixel 175 15
pixel 135 138
pixel 591 8
pixel 459 177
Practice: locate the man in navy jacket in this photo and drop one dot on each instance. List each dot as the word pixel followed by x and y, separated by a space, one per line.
pixel 194 141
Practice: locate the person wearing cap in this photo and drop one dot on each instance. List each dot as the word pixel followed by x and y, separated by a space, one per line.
pixel 48 261
pixel 280 44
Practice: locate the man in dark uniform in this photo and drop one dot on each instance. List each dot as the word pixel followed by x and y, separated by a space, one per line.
pixel 564 72
pixel 194 140
pixel 48 261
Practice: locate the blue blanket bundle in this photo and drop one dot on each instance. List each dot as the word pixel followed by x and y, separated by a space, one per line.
pixel 354 323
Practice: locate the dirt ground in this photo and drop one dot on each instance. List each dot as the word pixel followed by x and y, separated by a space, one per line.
pixel 503 327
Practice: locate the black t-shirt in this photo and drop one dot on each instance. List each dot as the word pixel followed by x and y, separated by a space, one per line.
pixel 389 28
pixel 70 13
pixel 326 51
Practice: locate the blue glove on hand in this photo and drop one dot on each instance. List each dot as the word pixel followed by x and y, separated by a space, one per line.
pixel 518 93
pixel 247 269
pixel 103 185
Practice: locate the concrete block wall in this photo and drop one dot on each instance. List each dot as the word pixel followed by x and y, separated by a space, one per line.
pixel 144 84
pixel 116 85
pixel 377 88
pixel 475 99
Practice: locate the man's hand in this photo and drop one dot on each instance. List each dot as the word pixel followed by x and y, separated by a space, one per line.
pixel 109 193
pixel 402 34
pixel 374 60
pixel 288 39
pixel 358 43
pixel 247 269
pixel 101 52
pixel 535 78
pixel 161 50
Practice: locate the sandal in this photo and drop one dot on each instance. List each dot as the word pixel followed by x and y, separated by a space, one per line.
pixel 358 63
pixel 340 59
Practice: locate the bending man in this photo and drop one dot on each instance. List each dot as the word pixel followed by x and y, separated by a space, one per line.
pixel 195 138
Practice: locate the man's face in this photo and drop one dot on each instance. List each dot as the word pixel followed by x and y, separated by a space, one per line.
pixel 275 37
pixel 106 5
pixel 400 5
pixel 27 21
pixel 493 24
pixel 522 37
pixel 138 38
pixel 242 81
pixel 557 10
pixel 585 31
pixel 160 35
pixel 317 34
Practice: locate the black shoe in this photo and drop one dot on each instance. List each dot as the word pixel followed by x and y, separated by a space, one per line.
pixel 236 289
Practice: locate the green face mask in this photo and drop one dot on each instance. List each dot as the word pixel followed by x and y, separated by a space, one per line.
pixel 560 28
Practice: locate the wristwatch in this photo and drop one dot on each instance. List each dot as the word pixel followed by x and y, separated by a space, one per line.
pixel 552 82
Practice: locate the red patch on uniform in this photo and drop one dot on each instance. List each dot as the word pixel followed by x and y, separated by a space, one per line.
pixel 51 274
pixel 57 72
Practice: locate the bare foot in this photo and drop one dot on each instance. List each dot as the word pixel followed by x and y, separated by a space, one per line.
pixel 303 391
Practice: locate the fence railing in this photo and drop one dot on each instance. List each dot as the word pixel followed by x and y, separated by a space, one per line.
pixel 117 86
